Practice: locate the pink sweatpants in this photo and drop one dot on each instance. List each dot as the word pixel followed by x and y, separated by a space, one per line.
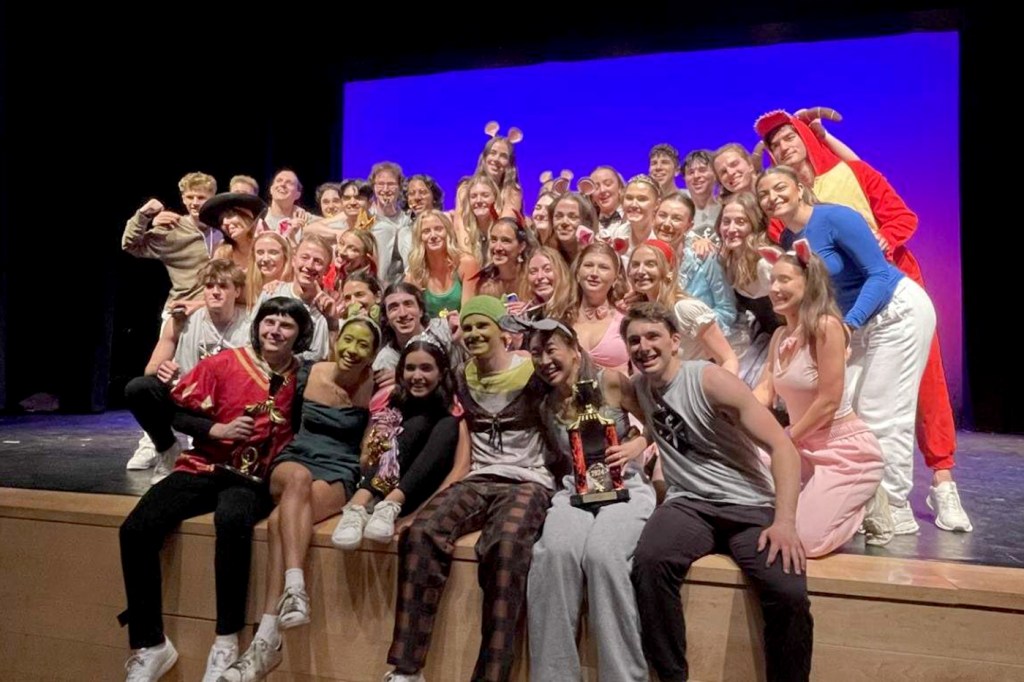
pixel 842 467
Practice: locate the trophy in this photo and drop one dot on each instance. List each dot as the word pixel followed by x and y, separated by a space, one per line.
pixel 589 435
pixel 248 456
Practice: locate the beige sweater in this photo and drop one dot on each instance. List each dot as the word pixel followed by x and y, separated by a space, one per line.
pixel 181 247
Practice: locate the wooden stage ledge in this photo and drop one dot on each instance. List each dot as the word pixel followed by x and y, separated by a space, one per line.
pixel 875 618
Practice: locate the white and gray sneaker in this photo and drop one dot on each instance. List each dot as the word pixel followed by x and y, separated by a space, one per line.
pixel 399 677
pixel 903 519
pixel 944 500
pixel 878 523
pixel 151 663
pixel 381 526
pixel 165 463
pixel 258 661
pixel 349 531
pixel 145 455
pixel 293 608
pixel 219 660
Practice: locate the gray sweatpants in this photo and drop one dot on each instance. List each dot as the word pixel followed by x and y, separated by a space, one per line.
pixel 581 548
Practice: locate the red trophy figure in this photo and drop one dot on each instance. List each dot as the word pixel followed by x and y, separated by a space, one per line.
pixel 589 435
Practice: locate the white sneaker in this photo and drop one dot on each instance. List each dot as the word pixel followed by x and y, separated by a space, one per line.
pixel 399 677
pixel 219 660
pixel 903 519
pixel 258 661
pixel 145 455
pixel 293 608
pixel 381 526
pixel 878 522
pixel 165 463
pixel 151 663
pixel 349 531
pixel 944 500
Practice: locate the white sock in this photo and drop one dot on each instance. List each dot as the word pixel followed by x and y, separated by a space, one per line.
pixel 267 630
pixel 226 641
pixel 293 578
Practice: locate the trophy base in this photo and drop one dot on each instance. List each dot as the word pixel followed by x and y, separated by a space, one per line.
pixel 238 474
pixel 589 500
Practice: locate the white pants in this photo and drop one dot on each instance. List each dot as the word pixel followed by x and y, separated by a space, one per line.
pixel 887 359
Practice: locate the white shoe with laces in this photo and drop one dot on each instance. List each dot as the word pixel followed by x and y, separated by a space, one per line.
pixel 381 526
pixel 349 531
pixel 903 519
pixel 399 677
pixel 258 661
pixel 144 456
pixel 944 500
pixel 149 664
pixel 220 659
pixel 165 463
pixel 293 608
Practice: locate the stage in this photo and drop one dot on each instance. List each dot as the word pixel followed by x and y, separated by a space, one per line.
pixel 932 607
pixel 87 453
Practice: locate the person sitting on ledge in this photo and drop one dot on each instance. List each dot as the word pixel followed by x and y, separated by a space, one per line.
pixel 244 398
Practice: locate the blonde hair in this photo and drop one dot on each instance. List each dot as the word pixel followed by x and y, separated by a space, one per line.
pixel 418 273
pixel 246 180
pixel 510 178
pixel 194 181
pixel 561 302
pixel 473 235
pixel 668 285
pixel 368 243
pixel 254 278
pixel 619 286
pixel 740 264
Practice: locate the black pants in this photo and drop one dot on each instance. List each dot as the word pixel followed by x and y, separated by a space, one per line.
pixel 426 452
pixel 236 507
pixel 681 531
pixel 149 400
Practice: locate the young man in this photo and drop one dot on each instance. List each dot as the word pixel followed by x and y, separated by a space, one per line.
pixel 505 490
pixel 243 397
pixel 222 323
pixel 700 185
pixel 392 227
pixel 708 425
pixel 244 184
pixel 405 317
pixel 856 184
pixel 181 243
pixel 663 167
pixel 284 215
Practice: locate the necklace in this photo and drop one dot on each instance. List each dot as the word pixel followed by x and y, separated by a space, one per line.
pixel 595 312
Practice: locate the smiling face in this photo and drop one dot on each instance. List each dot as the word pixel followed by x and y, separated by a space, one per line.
pixel 700 179
pixel 285 187
pixel 662 169
pixel 540 213
pixel 481 335
pixel 779 196
pixel 555 359
pixel 652 348
pixel 277 334
pixel 481 199
pixel 236 227
pixel 194 199
pixel 502 244
pixel 735 226
pixel 608 194
pixel 639 203
pixel 309 264
pixel 420 374
pixel 433 233
pixel 270 258
pixel 787 289
pixel 542 276
pixel 672 221
pixel 565 219
pixel 419 196
pixel 497 160
pixel 403 313
pixel 355 346
pixel 354 291
pixel 330 203
pixel 787 147
pixel 352 201
pixel 646 272
pixel 734 171
pixel 351 251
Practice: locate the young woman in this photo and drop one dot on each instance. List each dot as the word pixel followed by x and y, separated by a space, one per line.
pixel 597 274
pixel 505 273
pixel 498 162
pixel 891 318
pixel 585 551
pixel 652 275
pixel 422 193
pixel 311 480
pixel 438 266
pixel 541 219
pixel 269 262
pixel 235 215
pixel 639 205
pixel 550 285
pixel 478 212
pixel 842 460
pixel 741 228
pixel 409 451
pixel 566 215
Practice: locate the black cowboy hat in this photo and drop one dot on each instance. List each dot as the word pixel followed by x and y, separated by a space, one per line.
pixel 211 212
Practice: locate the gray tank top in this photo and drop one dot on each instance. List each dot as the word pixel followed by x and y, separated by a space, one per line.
pixel 704 455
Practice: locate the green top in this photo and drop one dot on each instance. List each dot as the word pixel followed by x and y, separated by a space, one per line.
pixel 448 300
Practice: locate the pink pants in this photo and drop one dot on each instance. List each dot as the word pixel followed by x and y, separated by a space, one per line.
pixel 841 468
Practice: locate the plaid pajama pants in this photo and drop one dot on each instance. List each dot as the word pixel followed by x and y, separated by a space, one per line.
pixel 511 515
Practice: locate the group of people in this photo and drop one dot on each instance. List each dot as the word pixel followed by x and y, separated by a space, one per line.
pixel 760 340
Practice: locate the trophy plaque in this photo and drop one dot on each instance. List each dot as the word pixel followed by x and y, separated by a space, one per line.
pixel 589 435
